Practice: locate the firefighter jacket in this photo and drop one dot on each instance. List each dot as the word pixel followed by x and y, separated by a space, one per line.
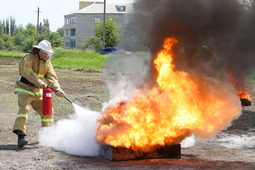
pixel 34 70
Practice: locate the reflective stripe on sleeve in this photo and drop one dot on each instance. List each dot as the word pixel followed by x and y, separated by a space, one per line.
pixel 47 120
pixel 40 75
pixel 28 92
pixel 22 115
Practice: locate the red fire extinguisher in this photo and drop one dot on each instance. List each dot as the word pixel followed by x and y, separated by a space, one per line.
pixel 47 101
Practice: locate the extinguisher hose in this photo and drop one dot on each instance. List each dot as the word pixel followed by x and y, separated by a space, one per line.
pixel 64 96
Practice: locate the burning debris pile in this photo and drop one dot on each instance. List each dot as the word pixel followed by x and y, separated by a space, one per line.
pixel 242 90
pixel 194 44
pixel 245 97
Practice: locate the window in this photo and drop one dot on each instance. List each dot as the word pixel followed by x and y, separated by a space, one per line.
pixel 67 44
pixel 72 32
pixel 97 20
pixel 121 8
pixel 72 20
pixel 67 32
pixel 73 44
pixel 67 21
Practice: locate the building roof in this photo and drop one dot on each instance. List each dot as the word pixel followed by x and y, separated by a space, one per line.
pixel 98 8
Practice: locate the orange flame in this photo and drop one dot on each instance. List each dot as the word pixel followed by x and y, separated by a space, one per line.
pixel 240 86
pixel 244 95
pixel 181 105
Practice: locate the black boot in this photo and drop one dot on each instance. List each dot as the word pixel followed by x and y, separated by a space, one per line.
pixel 21 141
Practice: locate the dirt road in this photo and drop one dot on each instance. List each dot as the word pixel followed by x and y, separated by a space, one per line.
pixel 87 89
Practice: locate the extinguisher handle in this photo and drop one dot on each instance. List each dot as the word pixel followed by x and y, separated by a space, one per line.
pixel 52 88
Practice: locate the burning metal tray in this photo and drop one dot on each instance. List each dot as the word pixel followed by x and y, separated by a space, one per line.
pixel 245 102
pixel 123 154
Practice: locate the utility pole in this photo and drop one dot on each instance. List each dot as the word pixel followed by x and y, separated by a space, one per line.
pixel 104 24
pixel 37 29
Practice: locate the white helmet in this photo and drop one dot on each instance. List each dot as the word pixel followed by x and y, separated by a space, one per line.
pixel 45 46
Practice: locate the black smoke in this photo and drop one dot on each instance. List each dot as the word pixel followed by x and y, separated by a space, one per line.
pixel 215 36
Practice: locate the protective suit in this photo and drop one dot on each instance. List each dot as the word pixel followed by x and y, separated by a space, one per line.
pixel 32 71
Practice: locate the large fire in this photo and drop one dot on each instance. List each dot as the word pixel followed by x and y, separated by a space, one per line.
pixel 181 105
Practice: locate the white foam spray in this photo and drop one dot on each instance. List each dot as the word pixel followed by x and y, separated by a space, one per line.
pixel 233 141
pixel 188 141
pixel 75 136
pixel 230 141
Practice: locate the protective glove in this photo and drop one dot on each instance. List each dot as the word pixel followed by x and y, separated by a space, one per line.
pixel 41 85
pixel 60 93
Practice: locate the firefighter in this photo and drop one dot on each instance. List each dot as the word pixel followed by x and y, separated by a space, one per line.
pixel 33 68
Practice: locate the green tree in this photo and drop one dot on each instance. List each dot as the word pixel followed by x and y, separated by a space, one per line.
pixel 2 44
pixel 29 25
pixel 4 26
pixel 45 27
pixel 96 42
pixel 19 38
pixel 28 44
pixel 30 31
pixel 1 27
pixel 111 35
pixel 56 39
pixel 61 31
pixel 8 43
pixel 44 30
pixel 13 26
pixel 30 37
pixel 7 26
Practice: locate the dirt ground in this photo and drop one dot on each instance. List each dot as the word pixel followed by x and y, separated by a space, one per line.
pixel 86 88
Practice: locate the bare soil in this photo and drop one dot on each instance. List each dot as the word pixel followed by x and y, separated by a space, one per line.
pixel 86 88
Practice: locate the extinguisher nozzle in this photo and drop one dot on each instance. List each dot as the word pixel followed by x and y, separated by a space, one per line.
pixel 64 96
pixel 68 99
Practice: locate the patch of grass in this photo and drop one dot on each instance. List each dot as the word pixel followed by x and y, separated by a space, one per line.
pixel 12 54
pixel 78 59
pixel 96 89
pixel 6 78
pixel 73 77
pixel 9 102
pixel 65 58
pixel 79 77
pixel 104 96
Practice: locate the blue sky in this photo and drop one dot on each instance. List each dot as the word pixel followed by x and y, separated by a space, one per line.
pixel 24 11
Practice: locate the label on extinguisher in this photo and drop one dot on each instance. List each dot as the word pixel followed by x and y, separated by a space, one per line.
pixel 48 95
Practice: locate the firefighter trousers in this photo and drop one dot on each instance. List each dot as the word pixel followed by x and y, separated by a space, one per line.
pixel 24 102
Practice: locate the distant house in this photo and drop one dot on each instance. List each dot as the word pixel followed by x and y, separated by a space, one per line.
pixel 79 25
